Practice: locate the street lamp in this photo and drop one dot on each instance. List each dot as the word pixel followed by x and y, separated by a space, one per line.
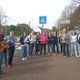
pixel 5 25
pixel 30 23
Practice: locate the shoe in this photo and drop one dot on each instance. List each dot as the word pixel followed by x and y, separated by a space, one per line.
pixel 54 54
pixel 77 56
pixel 9 66
pixel 23 59
pixel 48 53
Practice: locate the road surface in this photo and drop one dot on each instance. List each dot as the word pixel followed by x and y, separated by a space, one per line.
pixel 44 68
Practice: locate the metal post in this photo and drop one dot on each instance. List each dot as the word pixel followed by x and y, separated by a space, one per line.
pixel 29 24
pixel 5 26
pixel 42 27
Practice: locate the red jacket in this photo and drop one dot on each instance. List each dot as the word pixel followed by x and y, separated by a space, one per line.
pixel 43 39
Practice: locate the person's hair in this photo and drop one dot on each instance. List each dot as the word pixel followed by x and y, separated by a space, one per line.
pixel 75 33
pixel 11 32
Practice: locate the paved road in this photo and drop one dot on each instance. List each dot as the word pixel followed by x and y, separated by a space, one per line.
pixel 44 68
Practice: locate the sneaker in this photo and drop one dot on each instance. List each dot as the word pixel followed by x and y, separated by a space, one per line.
pixel 9 66
pixel 54 54
pixel 77 56
pixel 25 58
pixel 48 53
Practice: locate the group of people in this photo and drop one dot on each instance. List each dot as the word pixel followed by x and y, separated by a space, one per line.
pixel 37 43
pixel 51 43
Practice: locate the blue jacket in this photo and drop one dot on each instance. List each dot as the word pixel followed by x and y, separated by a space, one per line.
pixel 54 39
pixel 11 41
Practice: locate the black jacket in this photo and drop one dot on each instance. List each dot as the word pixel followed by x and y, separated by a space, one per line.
pixel 78 38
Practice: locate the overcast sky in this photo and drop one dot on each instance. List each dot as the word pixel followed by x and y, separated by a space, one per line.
pixel 23 11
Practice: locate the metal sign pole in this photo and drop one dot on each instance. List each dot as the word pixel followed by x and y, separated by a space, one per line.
pixel 42 27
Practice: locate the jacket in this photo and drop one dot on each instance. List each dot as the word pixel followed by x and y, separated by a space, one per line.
pixel 43 39
pixel 78 38
pixel 54 39
pixel 32 38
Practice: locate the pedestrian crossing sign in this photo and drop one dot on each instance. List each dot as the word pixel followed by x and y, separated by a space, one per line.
pixel 42 20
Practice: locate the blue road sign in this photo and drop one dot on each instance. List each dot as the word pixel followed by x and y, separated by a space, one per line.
pixel 42 20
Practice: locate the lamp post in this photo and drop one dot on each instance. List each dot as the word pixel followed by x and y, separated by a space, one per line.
pixel 5 25
pixel 29 23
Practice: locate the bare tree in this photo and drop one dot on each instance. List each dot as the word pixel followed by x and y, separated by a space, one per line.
pixel 2 17
pixel 67 13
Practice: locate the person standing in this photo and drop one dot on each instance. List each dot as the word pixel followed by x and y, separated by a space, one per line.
pixel 24 42
pixel 49 44
pixel 11 49
pixel 65 43
pixel 60 43
pixel 43 42
pixel 37 44
pixel 55 43
pixel 73 43
pixel 32 40
pixel 5 55
pixel 1 52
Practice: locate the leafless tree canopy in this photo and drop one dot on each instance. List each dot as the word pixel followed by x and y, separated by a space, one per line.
pixel 2 17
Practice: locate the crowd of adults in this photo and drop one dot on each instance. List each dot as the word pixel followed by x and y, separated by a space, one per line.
pixel 51 43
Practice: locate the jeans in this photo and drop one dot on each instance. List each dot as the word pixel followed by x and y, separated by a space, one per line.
pixel 61 47
pixel 43 46
pixel 74 48
pixel 5 57
pixel 31 49
pixel 79 49
pixel 53 48
pixel 37 48
pixel 28 49
pixel 49 47
pixel 10 54
pixel 24 51
pixel 65 49
pixel 1 61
